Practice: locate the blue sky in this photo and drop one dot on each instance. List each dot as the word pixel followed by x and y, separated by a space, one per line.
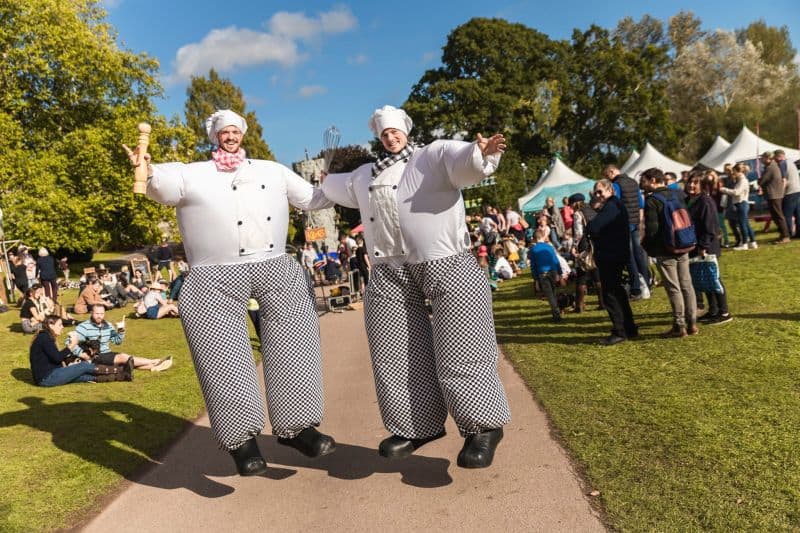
pixel 303 66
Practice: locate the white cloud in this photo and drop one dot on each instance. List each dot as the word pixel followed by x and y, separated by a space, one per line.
pixel 227 49
pixel 797 60
pixel 108 5
pixel 359 59
pixel 299 26
pixel 308 91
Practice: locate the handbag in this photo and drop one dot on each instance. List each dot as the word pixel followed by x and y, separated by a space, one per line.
pixel 705 274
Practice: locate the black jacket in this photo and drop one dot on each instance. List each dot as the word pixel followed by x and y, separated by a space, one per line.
pixel 45 356
pixel 630 196
pixel 703 211
pixel 610 233
pixel 654 239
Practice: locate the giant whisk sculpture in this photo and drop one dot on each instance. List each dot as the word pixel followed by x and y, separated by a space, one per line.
pixel 330 142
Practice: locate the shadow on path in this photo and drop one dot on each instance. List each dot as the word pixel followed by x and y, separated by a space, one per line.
pixel 128 433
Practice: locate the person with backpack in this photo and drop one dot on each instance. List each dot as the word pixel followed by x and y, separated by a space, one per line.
pixel 669 236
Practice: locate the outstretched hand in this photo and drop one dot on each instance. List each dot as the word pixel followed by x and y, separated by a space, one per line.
pixel 495 144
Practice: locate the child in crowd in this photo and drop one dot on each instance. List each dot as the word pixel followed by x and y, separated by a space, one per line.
pixel 501 266
pixel 546 268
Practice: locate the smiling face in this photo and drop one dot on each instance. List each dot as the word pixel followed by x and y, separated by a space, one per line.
pixel 230 139
pixel 393 140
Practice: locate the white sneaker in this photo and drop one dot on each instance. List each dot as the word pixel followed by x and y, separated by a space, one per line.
pixel 740 247
pixel 163 365
pixel 753 245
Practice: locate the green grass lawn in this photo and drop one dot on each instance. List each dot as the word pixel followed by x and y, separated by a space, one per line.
pixel 700 433
pixel 65 448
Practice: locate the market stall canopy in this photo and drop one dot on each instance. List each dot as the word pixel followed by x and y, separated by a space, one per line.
pixel 719 146
pixel 631 160
pixel 559 181
pixel 746 147
pixel 653 158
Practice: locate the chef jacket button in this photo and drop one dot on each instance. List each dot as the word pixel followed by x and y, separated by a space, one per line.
pixel 263 186
pixel 269 218
pixel 241 250
pixel 372 219
pixel 394 186
pixel 377 253
pixel 240 222
pixel 234 187
pixel 272 246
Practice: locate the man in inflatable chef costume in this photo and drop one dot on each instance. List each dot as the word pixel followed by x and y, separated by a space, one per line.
pixel 233 215
pixel 413 215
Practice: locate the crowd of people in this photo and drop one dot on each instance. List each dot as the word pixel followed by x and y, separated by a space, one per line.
pixel 87 355
pixel 617 241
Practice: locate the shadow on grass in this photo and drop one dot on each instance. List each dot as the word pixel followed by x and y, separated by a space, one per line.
pixel 122 435
pixel 771 316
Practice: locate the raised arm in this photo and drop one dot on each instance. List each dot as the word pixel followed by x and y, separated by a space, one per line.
pixel 469 163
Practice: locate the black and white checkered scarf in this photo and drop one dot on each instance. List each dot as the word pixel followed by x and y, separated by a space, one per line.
pixel 391 159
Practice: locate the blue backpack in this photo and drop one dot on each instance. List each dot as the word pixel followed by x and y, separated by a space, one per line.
pixel 679 234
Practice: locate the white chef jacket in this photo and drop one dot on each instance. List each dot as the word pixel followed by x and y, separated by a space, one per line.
pixel 413 211
pixel 232 217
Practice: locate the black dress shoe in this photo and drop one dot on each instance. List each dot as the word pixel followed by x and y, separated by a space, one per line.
pixel 248 459
pixel 612 340
pixel 310 442
pixel 478 450
pixel 395 447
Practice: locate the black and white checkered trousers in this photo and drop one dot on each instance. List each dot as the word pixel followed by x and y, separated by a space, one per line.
pixel 213 308
pixel 427 366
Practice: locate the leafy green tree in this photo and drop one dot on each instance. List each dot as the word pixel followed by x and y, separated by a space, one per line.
pixel 70 95
pixel 717 84
pixel 774 44
pixel 616 98
pixel 648 31
pixel 684 29
pixel 207 95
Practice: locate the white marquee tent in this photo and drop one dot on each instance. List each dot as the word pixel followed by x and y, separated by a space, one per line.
pixel 559 181
pixel 653 158
pixel 719 146
pixel 631 160
pixel 745 147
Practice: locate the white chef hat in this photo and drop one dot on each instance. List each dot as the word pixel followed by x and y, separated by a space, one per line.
pixel 222 119
pixel 389 117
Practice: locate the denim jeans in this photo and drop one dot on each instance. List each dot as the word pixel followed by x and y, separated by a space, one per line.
pixel 743 209
pixel 77 373
pixel 791 211
pixel 638 262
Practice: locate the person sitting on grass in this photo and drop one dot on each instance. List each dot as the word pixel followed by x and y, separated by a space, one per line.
pixel 156 306
pixel 46 359
pixel 546 269
pixel 31 313
pixel 90 296
pixel 501 265
pixel 98 328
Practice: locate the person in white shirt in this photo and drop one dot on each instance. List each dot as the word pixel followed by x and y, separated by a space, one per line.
pixel 419 247
pixel 501 266
pixel 233 215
